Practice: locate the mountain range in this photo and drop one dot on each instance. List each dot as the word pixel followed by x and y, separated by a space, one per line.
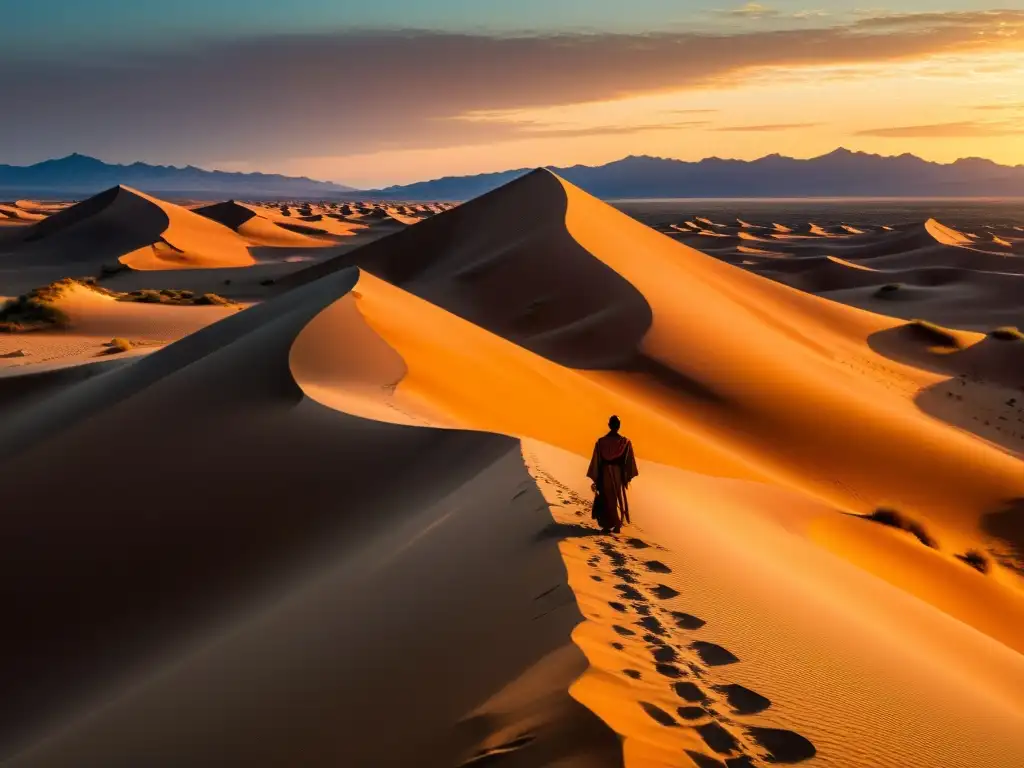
pixel 841 173
pixel 838 174
pixel 78 176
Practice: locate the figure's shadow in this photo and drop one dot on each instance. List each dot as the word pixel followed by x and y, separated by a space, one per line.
pixel 567 531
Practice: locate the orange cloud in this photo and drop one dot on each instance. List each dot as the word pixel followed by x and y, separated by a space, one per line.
pixel 942 130
pixel 768 128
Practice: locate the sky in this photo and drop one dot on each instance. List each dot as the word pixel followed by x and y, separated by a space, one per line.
pixel 371 94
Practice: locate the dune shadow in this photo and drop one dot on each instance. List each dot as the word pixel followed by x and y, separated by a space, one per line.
pixel 992 363
pixel 673 380
pixel 1007 525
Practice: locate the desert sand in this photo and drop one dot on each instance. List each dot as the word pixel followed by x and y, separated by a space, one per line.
pixel 343 519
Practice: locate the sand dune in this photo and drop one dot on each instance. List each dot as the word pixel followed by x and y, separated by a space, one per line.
pixel 926 269
pixel 377 517
pixel 254 227
pixel 128 227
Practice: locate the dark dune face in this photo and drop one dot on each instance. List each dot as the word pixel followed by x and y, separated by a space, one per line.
pixel 578 311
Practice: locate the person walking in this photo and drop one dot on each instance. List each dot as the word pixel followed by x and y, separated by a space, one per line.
pixel 612 467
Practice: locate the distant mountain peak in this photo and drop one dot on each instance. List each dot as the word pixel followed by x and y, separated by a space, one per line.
pixel 78 175
pixel 840 173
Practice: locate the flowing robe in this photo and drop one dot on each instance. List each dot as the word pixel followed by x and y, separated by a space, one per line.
pixel 612 466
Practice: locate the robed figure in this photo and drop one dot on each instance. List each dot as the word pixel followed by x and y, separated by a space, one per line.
pixel 612 467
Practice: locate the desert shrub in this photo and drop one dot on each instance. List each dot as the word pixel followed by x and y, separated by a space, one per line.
pixel 918 531
pixel 1008 333
pixel 213 299
pixel 34 310
pixel 887 516
pixel 117 344
pixel 932 334
pixel 976 560
pixel 174 297
pixel 893 519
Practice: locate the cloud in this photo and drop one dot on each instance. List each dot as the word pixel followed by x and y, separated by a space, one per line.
pixel 1001 107
pixel 994 20
pixel 363 92
pixel 768 128
pixel 752 11
pixel 545 131
pixel 943 131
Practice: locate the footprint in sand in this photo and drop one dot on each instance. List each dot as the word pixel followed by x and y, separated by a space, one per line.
pixel 782 746
pixel 717 737
pixel 626 575
pixel 703 761
pixel 642 608
pixel 713 655
pixel 670 671
pixel 743 700
pixel 656 566
pixel 597 578
pixel 689 692
pixel 618 646
pixel 634 674
pixel 624 631
pixel 653 640
pixel 663 592
pixel 630 593
pixel 686 621
pixel 691 713
pixel 665 654
pixel 654 626
pixel 638 544
pixel 659 715
pixel 619 607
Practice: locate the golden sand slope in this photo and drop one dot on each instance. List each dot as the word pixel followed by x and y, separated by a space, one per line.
pixel 255 227
pixel 363 549
pixel 127 226
pixel 926 270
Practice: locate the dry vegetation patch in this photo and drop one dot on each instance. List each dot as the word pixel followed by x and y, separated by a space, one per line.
pixel 36 310
pixel 1007 333
pixel 893 519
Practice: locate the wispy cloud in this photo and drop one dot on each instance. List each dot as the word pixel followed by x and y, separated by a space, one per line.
pixel 962 129
pixel 752 11
pixel 1018 107
pixel 767 128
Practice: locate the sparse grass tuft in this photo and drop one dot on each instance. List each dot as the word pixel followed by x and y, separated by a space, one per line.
pixel 213 299
pixel 976 560
pixel 34 311
pixel 893 519
pixel 933 334
pixel 176 298
pixel 117 344
pixel 1007 333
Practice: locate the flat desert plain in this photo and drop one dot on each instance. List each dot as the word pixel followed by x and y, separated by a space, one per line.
pixel 303 484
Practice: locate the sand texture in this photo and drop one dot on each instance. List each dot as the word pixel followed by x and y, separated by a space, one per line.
pixel 344 520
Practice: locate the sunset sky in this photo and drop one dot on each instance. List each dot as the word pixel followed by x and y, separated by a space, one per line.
pixel 369 94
